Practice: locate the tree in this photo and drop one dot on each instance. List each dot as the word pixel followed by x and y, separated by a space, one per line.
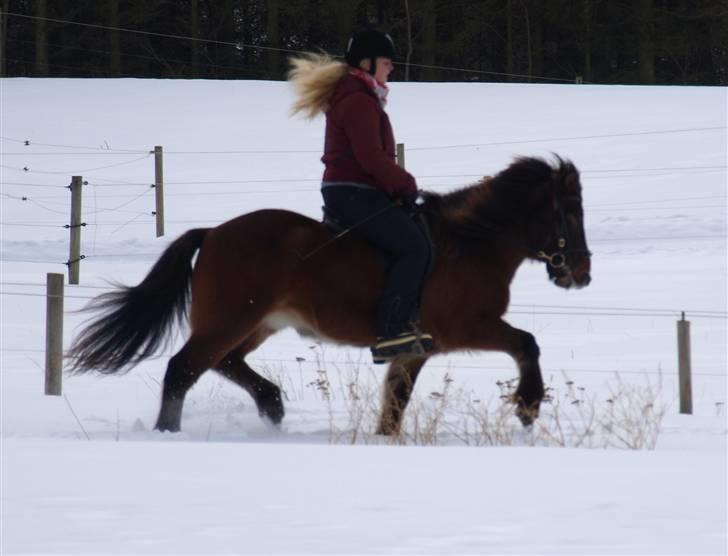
pixel 646 41
pixel 273 36
pixel 114 38
pixel 4 37
pixel 195 45
pixel 41 38
pixel 606 41
pixel 587 18
pixel 429 40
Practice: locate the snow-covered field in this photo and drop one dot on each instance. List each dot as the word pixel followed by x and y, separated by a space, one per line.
pixel 84 473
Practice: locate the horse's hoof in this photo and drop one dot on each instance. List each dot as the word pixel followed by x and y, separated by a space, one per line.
pixel 272 411
pixel 163 427
pixel 274 418
pixel 270 405
pixel 527 415
pixel 525 418
pixel 387 429
pixel 270 423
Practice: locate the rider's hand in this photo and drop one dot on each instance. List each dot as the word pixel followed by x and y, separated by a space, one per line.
pixel 409 200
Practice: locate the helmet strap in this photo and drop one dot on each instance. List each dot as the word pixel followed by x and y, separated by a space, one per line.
pixel 372 66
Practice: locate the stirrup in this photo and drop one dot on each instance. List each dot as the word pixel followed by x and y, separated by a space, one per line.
pixel 407 343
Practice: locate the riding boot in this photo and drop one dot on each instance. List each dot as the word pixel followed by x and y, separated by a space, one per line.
pixel 413 342
pixel 397 336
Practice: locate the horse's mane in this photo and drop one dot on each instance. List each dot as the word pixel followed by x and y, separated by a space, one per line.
pixel 493 202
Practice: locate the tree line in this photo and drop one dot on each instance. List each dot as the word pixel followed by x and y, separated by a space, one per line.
pixel 594 41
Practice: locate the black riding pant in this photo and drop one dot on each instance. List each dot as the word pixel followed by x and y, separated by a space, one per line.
pixel 394 232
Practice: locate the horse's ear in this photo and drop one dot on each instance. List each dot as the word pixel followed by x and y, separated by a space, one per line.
pixel 567 174
pixel 572 178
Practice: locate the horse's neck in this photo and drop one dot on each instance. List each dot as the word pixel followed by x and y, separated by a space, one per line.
pixel 505 243
pixel 513 244
pixel 500 234
pixel 488 222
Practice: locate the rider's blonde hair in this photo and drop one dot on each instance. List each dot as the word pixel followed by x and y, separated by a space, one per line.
pixel 314 78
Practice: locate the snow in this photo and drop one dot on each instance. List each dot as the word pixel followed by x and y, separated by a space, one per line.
pixel 160 497
pixel 84 473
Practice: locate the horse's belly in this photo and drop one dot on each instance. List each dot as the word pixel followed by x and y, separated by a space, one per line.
pixel 288 318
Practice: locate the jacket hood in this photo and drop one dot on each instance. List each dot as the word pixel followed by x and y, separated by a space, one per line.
pixel 348 86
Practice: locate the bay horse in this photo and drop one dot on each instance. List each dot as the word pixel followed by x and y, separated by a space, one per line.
pixel 271 269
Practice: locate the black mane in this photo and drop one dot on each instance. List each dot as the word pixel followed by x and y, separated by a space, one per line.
pixel 493 202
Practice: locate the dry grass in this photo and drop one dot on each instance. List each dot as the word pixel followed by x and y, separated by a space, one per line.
pixel 628 416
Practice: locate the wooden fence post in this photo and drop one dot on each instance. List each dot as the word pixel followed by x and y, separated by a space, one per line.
pixel 683 356
pixel 400 154
pixel 74 258
pixel 54 334
pixel 159 189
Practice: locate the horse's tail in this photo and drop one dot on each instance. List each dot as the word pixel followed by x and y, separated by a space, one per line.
pixel 134 322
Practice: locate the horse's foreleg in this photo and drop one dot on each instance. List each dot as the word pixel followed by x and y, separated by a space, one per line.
pixel 398 386
pixel 522 346
pixel 267 395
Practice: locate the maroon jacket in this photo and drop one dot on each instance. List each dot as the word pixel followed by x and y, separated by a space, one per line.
pixel 359 145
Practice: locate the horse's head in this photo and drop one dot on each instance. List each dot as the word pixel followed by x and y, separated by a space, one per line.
pixel 557 231
pixel 533 207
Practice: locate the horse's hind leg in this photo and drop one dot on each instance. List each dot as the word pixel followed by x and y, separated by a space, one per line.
pixel 183 370
pixel 267 395
pixel 398 386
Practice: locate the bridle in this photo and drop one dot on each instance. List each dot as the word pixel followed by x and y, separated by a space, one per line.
pixel 557 259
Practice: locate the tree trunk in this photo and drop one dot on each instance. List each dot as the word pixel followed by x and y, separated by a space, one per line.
pixel 646 45
pixel 718 44
pixel 195 45
pixel 274 39
pixel 409 41
pixel 429 40
pixel 231 57
pixel 4 38
pixel 114 39
pixel 41 39
pixel 137 19
pixel 509 38
pixel 344 15
pixel 587 41
pixel 537 39
pixel 528 39
pixel 224 23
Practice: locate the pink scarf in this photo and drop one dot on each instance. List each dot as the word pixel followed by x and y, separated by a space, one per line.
pixel 380 89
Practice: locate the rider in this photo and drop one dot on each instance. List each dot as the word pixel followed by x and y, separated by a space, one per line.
pixel 362 184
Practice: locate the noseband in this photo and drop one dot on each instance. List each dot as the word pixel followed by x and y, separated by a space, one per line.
pixel 557 259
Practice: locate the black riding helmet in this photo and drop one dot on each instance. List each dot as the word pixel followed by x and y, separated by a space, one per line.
pixel 371 44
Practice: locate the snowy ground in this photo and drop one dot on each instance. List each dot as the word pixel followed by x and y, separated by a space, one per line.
pixel 84 473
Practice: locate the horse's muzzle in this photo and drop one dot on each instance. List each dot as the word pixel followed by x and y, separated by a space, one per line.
pixel 583 280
